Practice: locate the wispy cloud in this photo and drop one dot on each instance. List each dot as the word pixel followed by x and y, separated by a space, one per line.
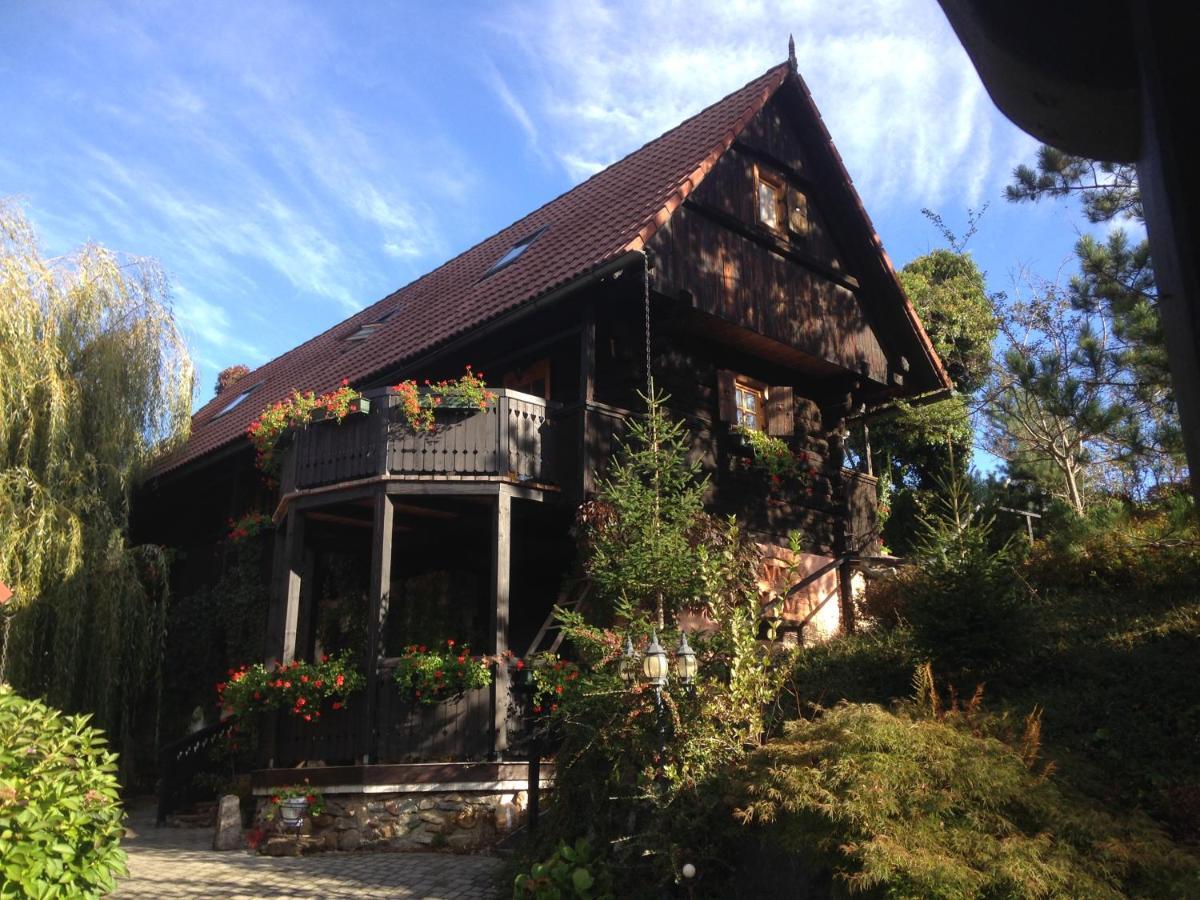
pixel 902 101
pixel 510 102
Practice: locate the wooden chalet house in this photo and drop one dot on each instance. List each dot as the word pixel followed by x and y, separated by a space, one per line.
pixel 771 304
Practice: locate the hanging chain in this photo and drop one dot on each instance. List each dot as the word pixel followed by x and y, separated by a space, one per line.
pixel 646 302
pixel 650 400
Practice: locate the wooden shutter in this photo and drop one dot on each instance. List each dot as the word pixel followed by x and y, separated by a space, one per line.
pixel 780 416
pixel 726 395
pixel 797 212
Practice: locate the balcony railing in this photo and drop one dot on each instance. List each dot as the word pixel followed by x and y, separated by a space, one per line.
pixel 513 439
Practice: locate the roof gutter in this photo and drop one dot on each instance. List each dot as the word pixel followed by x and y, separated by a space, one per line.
pixel 528 308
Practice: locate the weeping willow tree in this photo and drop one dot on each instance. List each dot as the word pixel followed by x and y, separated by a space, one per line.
pixel 94 383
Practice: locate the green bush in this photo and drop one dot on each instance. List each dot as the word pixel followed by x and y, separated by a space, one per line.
pixel 920 804
pixel 966 608
pixel 870 666
pixel 1154 550
pixel 60 818
pixel 572 872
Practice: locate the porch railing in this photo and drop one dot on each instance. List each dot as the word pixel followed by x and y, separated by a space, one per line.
pixel 404 731
pixel 513 439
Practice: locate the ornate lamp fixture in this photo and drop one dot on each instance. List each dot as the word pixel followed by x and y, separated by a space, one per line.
pixel 655 667
pixel 685 661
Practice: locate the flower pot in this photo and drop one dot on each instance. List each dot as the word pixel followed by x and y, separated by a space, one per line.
pixel 292 810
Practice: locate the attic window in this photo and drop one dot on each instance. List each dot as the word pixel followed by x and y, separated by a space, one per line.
pixel 770 198
pixel 237 401
pixel 514 252
pixel 365 332
pixel 370 328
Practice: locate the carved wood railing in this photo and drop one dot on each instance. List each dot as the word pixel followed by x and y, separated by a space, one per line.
pixel 404 731
pixel 513 439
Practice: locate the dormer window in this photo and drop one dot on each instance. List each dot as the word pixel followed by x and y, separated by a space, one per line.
pixel 514 252
pixel 237 401
pixel 771 198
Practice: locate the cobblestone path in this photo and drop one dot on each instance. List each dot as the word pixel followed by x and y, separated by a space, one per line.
pixel 179 862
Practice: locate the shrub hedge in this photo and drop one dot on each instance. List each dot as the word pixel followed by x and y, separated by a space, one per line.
pixel 60 818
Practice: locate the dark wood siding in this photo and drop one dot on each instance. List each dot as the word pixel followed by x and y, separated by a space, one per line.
pixel 735 278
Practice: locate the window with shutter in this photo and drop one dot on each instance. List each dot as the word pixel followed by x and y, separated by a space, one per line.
pixel 770 195
pixel 749 412
pixel 745 401
pixel 781 417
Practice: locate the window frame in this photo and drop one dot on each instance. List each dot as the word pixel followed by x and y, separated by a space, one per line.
pixel 778 186
pixel 237 401
pixel 515 252
pixel 531 374
pixel 758 392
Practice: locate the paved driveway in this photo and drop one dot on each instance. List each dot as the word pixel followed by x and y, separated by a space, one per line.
pixel 178 862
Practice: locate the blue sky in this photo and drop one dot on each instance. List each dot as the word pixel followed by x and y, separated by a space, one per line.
pixel 288 163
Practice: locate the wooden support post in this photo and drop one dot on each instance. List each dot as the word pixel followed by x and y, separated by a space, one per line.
pixel 306 621
pixel 293 576
pixel 867 449
pixel 379 591
pixel 277 611
pixel 587 394
pixel 501 564
pixel 534 786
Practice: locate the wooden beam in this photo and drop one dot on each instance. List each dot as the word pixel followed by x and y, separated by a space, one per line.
pixel 498 632
pixel 306 620
pixel 276 612
pixel 293 575
pixel 587 394
pixel 413 509
pixel 379 589
pixel 463 489
pixel 340 520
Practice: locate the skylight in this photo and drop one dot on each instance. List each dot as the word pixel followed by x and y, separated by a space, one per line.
pixel 236 401
pixel 514 253
pixel 365 331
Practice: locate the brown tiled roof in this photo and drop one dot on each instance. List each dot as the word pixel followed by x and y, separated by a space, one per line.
pixel 615 211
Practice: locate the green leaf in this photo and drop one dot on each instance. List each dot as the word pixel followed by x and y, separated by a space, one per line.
pixel 582 879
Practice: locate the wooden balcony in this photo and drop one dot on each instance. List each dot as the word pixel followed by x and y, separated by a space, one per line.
pixel 512 441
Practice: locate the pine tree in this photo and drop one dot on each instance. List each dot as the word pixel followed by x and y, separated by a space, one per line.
pixel 1055 408
pixel 643 535
pixel 1115 289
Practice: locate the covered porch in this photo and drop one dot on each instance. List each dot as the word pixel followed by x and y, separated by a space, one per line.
pixel 389 539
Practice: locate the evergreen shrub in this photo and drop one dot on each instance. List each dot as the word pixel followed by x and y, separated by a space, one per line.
pixel 966 607
pixel 924 802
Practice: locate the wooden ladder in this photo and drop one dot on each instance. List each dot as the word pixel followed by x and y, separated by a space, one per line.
pixel 570 598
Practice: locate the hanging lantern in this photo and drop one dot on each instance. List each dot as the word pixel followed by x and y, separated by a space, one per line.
pixel 629 662
pixel 654 664
pixel 685 660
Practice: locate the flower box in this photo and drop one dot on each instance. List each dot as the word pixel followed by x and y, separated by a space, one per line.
pixel 362 406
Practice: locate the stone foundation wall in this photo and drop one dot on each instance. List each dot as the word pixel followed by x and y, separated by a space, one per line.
pixel 463 821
